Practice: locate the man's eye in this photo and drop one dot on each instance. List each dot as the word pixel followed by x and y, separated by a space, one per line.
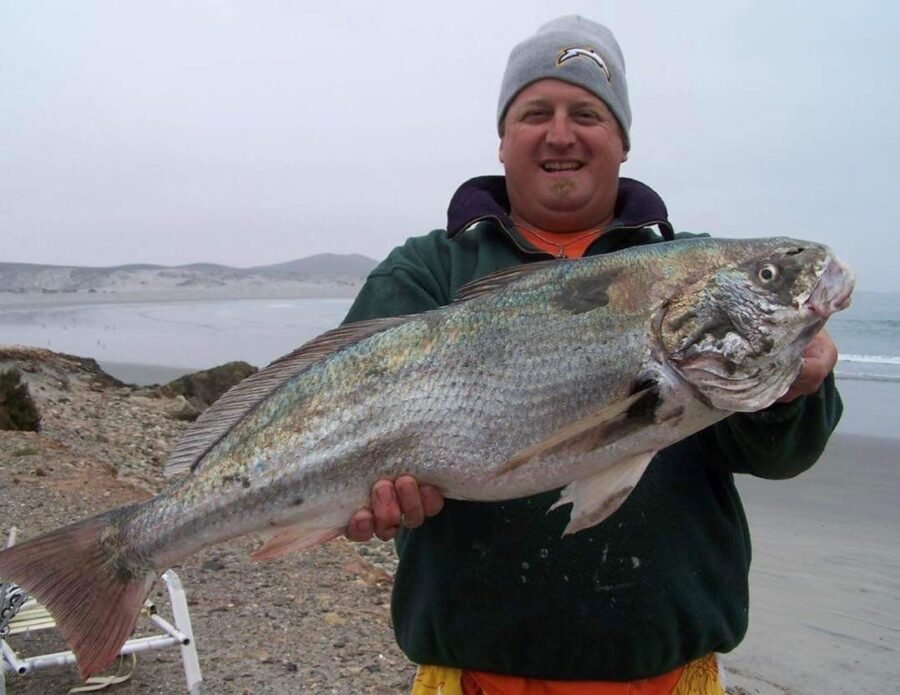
pixel 590 116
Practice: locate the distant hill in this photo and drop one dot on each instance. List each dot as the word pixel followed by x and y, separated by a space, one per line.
pixel 322 264
pixel 322 269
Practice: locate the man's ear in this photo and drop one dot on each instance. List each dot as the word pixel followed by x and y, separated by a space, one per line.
pixel 500 151
pixel 624 156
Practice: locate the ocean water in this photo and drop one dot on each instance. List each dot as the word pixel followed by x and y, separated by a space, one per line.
pixel 181 336
pixel 868 336
pixel 154 342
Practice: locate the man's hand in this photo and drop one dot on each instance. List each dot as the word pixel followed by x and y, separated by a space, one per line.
pixel 819 359
pixel 402 501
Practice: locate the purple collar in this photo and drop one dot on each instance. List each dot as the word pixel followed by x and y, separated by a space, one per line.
pixel 637 206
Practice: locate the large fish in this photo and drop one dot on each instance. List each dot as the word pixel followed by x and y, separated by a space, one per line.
pixel 561 374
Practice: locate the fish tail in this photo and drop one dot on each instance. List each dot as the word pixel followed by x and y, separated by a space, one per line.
pixel 93 590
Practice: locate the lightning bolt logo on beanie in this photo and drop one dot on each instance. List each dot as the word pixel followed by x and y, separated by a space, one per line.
pixel 590 53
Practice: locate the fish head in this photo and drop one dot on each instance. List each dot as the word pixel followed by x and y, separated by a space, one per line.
pixel 737 334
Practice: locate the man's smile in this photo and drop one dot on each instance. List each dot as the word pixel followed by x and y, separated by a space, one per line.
pixel 561 165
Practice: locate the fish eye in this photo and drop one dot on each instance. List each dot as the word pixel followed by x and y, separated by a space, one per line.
pixel 768 273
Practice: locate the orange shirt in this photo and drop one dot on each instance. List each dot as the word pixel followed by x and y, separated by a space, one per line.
pixel 560 244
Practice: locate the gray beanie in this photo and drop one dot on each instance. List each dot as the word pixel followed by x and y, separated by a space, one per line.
pixel 572 49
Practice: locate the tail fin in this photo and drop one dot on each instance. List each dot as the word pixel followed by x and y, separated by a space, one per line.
pixel 94 594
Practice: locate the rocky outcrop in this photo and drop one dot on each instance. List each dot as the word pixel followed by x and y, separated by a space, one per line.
pixel 196 392
pixel 132 428
pixel 56 377
pixel 58 368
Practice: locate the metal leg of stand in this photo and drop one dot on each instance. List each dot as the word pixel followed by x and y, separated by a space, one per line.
pixel 182 619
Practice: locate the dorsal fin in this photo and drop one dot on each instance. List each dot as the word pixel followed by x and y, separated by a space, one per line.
pixel 243 398
pixel 494 281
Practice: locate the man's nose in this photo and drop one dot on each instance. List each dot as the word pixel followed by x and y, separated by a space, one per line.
pixel 560 132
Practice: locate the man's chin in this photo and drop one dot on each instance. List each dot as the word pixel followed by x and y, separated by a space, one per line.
pixel 564 201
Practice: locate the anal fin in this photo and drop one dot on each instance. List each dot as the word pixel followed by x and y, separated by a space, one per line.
pixel 594 499
pixel 281 540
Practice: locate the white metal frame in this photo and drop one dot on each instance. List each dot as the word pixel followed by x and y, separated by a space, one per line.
pixel 32 616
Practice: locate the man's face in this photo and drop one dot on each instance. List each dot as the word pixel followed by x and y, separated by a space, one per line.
pixel 561 148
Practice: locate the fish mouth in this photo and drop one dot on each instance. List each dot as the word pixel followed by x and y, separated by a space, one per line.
pixel 832 292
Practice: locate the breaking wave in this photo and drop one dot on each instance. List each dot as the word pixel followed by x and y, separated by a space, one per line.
pixel 869 367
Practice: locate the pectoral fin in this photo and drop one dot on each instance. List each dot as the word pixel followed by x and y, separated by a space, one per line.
pixel 596 498
pixel 592 432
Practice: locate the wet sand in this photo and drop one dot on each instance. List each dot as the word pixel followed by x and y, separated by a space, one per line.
pixel 825 580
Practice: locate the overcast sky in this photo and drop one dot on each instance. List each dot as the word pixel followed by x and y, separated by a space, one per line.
pixel 247 133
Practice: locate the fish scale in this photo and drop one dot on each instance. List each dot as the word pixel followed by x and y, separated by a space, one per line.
pixel 565 374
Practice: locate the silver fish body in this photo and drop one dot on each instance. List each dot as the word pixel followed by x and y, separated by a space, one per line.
pixel 564 374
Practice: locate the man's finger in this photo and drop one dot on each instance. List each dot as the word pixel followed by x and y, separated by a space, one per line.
pixel 407 490
pixel 386 509
pixel 432 500
pixel 361 527
pixel 821 349
pixel 819 359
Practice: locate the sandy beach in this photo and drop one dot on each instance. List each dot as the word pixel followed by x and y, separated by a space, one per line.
pixel 825 580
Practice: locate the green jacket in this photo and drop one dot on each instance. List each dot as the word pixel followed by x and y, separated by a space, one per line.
pixel 494 587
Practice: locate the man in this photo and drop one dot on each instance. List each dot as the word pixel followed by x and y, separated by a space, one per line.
pixel 487 596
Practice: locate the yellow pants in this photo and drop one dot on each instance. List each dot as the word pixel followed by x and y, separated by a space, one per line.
pixel 700 677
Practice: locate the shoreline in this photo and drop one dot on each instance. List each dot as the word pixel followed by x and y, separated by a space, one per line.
pixel 165 295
